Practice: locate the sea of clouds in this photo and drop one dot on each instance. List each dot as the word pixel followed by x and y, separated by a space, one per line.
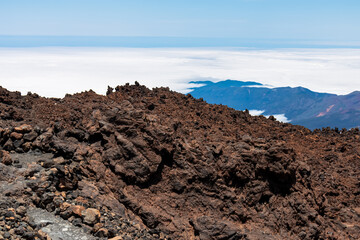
pixel 53 72
pixel 280 117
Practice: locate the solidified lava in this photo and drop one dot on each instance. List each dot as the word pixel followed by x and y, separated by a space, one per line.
pixel 152 164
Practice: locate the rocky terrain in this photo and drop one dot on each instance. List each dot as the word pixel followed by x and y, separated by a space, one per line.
pixel 156 164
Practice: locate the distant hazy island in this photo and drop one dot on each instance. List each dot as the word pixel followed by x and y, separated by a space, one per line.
pixel 299 105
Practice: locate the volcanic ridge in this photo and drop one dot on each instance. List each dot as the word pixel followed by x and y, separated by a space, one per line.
pixel 156 164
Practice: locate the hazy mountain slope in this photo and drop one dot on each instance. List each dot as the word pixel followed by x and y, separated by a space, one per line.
pixel 300 105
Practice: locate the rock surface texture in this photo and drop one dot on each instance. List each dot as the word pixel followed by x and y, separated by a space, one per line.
pixel 156 164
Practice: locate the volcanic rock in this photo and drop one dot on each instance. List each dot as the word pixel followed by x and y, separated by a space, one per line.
pixel 25 128
pixel 156 164
pixel 5 157
pixel 90 215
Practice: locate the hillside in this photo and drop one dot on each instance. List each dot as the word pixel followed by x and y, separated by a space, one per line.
pixel 156 164
pixel 300 105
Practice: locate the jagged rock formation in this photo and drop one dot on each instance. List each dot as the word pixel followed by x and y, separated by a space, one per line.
pixel 152 164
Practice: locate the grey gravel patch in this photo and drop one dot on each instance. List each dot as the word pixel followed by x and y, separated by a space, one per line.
pixel 56 227
pixel 11 189
pixel 30 157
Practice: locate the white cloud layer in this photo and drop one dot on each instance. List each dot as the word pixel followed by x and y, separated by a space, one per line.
pixel 56 71
pixel 254 112
pixel 279 117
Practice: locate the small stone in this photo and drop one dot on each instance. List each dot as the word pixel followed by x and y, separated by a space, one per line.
pixel 8 145
pixel 31 136
pixel 116 238
pixel 16 136
pixel 21 210
pixel 71 219
pixel 97 227
pixel 58 201
pixel 7 235
pixel 77 210
pixel 19 150
pixel 48 163
pixel 42 235
pixel 77 222
pixel 5 158
pixel 10 218
pixel 20 231
pixel 25 128
pixel 7 131
pixel 26 146
pixel 91 216
pixel 65 206
pixel 29 235
pixel 59 161
pixel 102 233
pixel 10 213
pixel 17 145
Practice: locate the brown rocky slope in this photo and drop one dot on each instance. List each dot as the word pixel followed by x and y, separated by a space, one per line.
pixel 152 164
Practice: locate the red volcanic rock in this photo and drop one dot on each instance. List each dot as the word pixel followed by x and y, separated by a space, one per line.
pixel 77 210
pixel 90 216
pixel 24 128
pixel 16 136
pixel 5 157
pixel 160 164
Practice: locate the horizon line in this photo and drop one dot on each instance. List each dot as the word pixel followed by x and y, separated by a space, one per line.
pixel 167 41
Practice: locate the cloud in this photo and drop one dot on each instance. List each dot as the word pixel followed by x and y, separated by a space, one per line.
pixel 256 112
pixel 279 117
pixel 56 71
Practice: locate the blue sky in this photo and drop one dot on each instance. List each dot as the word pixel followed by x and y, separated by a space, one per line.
pixel 335 21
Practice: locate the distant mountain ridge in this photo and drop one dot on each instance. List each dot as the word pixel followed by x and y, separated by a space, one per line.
pixel 300 105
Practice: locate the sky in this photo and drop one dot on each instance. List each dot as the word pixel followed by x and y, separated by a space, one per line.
pixel 334 21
